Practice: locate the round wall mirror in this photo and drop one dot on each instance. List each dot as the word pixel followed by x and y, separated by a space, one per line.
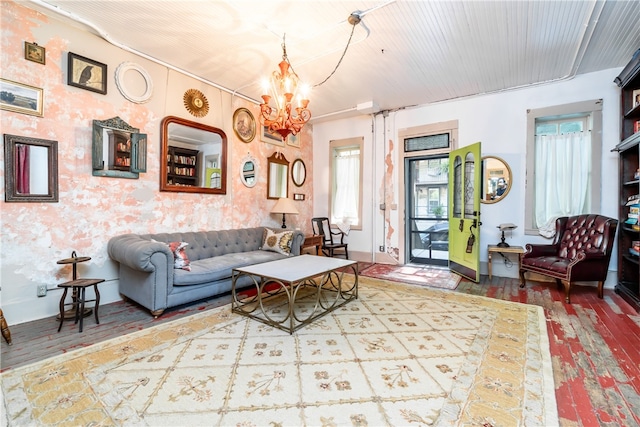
pixel 496 179
pixel 249 171
pixel 298 172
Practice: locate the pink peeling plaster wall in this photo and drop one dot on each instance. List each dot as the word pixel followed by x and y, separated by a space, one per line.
pixel 92 209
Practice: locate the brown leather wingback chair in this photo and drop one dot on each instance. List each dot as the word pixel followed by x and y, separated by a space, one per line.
pixel 580 251
pixel 330 247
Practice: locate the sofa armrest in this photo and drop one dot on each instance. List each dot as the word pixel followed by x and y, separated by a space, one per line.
pixel 136 252
pixel 296 242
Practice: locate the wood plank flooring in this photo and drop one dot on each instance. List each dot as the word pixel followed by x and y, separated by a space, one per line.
pixel 595 344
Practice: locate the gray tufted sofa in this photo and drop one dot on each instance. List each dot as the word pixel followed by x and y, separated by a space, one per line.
pixel 148 276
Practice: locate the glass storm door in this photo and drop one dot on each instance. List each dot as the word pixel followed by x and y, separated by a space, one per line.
pixel 426 198
pixel 464 213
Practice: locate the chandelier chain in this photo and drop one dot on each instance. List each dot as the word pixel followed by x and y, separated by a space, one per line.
pixel 286 58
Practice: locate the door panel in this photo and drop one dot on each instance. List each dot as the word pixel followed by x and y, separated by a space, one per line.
pixel 464 215
pixel 426 198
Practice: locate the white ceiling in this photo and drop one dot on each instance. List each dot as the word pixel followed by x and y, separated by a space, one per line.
pixel 403 52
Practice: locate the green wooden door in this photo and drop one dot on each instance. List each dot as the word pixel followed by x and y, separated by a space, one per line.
pixel 464 211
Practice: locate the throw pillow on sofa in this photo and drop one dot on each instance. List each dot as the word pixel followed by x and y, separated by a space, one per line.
pixel 180 259
pixel 277 242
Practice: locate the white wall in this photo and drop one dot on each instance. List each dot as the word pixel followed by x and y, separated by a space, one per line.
pixel 499 121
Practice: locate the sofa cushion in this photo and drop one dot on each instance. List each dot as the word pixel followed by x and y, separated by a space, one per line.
pixel 277 242
pixel 220 267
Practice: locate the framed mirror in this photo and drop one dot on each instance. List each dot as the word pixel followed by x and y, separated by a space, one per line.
pixel 30 169
pixel 277 176
pixel 119 150
pixel 298 172
pixel 496 179
pixel 193 157
pixel 249 171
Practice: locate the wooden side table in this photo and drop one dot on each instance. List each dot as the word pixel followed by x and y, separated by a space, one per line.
pixel 508 250
pixel 312 241
pixel 6 334
pixel 74 260
pixel 79 286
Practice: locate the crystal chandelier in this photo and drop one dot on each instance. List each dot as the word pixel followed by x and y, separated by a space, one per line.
pixel 289 113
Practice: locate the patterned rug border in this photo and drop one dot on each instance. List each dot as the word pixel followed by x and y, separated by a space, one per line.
pixel 159 337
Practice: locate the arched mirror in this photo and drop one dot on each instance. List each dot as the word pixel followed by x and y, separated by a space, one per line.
pixel 30 169
pixel 277 176
pixel 298 172
pixel 193 157
pixel 496 179
pixel 249 171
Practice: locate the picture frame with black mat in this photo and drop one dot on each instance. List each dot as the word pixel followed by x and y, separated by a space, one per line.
pixel 86 73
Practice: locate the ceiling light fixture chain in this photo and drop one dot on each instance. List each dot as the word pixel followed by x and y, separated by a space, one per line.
pixel 354 19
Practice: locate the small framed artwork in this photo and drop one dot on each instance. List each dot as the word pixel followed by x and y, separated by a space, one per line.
pixel 298 196
pixel 271 138
pixel 86 73
pixel 636 98
pixel 34 53
pixel 293 140
pixel 244 125
pixel 20 98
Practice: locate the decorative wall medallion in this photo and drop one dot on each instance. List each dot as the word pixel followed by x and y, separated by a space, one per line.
pixel 126 90
pixel 196 103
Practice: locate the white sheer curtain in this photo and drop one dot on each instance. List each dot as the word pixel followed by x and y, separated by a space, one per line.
pixel 347 176
pixel 563 168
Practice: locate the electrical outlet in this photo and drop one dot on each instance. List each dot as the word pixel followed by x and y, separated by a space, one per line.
pixel 42 290
pixel 381 248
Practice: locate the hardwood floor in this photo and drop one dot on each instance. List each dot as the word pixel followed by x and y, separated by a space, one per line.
pixel 595 344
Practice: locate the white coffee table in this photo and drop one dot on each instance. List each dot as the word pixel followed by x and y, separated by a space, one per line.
pixel 293 292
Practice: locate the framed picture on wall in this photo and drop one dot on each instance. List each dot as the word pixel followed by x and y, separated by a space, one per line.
pixel 271 138
pixel 20 98
pixel 293 140
pixel 86 73
pixel 34 53
pixel 244 125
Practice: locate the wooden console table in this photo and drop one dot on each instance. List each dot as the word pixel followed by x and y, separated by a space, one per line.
pixel 312 241
pixel 508 250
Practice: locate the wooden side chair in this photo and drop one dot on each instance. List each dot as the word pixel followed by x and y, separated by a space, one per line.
pixel 330 247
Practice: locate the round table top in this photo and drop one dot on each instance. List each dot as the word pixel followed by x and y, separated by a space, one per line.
pixel 74 260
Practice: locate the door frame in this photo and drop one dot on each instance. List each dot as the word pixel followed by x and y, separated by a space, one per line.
pixel 450 127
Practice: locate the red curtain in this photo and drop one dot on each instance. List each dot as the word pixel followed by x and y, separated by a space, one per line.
pixel 22 169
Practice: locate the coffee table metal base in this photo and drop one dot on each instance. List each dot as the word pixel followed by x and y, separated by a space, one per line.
pixel 291 304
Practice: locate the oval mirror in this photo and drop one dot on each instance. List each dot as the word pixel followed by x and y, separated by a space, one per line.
pixel 298 172
pixel 193 157
pixel 249 171
pixel 277 176
pixel 496 179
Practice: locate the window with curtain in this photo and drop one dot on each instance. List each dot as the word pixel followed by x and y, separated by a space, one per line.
pixel 563 166
pixel 346 165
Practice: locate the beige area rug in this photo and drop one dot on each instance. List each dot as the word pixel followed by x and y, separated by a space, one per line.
pixel 435 277
pixel 399 355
